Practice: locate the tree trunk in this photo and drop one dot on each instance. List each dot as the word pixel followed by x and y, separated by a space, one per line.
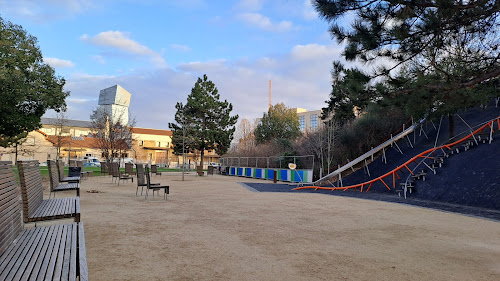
pixel 202 156
pixel 15 159
pixel 451 118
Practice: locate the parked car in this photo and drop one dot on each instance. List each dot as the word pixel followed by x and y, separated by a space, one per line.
pixel 92 162
pixel 213 164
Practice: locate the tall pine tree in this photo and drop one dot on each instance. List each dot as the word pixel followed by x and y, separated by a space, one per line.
pixel 431 56
pixel 204 122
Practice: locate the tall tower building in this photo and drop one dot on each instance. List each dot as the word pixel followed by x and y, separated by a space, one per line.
pixel 115 100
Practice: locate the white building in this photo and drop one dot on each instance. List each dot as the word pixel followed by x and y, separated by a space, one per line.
pixel 115 100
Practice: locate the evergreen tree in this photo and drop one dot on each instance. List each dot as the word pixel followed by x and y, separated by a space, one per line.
pixel 205 120
pixel 279 124
pixel 432 56
pixel 28 87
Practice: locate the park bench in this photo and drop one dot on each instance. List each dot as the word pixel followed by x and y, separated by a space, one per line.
pixel 55 184
pixel 34 207
pixel 154 170
pixel 155 187
pixel 54 252
pixel 69 178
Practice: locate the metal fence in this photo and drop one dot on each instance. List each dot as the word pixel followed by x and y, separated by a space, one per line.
pixel 302 162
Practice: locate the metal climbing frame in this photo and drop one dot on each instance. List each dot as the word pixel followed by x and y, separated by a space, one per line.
pixel 394 173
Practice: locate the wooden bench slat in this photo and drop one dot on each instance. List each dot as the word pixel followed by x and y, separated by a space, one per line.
pixel 35 255
pixel 74 251
pixel 43 253
pixel 45 273
pixel 82 252
pixel 7 254
pixel 70 239
pixel 60 253
pixel 12 265
pixel 30 257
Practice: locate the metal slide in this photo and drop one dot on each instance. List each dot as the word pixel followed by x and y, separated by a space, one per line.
pixel 368 154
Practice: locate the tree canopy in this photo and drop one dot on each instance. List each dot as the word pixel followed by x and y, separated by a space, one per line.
pixel 279 123
pixel 443 54
pixel 28 86
pixel 204 120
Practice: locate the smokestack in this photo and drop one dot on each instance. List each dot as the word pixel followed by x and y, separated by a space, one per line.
pixel 269 93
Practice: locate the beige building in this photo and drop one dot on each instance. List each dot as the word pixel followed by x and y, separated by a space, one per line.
pixel 76 141
pixel 309 121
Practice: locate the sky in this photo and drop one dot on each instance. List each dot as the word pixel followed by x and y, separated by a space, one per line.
pixel 157 49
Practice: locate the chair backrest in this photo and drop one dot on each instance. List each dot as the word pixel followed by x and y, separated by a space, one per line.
pixel 129 168
pixel 210 170
pixel 74 171
pixel 60 166
pixel 10 212
pixel 115 169
pixel 53 178
pixel 148 176
pixel 31 185
pixel 72 163
pixel 104 167
pixel 79 164
pixel 154 168
pixel 140 174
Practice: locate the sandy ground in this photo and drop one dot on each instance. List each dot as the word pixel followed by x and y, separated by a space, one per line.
pixel 211 228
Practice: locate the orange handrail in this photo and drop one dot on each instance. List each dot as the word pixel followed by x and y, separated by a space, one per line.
pixel 405 165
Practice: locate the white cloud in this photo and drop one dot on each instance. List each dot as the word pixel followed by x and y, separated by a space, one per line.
pixel 309 12
pixel 300 78
pixel 313 52
pixel 263 22
pixel 55 62
pixel 180 47
pixel 120 41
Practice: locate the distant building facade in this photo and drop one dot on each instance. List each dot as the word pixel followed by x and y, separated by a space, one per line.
pixel 309 121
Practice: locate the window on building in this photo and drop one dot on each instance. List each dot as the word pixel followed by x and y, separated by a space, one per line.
pixel 141 143
pixel 302 123
pixel 314 121
pixel 158 144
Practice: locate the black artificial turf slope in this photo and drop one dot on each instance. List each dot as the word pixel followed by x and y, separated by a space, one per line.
pixel 468 182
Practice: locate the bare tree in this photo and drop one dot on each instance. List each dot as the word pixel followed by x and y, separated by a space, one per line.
pixel 112 137
pixel 244 135
pixel 61 129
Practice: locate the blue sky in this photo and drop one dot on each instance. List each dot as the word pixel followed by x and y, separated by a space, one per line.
pixel 157 49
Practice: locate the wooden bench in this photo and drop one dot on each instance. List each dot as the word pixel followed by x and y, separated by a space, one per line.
pixel 55 184
pixel 62 177
pixel 54 252
pixel 37 209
